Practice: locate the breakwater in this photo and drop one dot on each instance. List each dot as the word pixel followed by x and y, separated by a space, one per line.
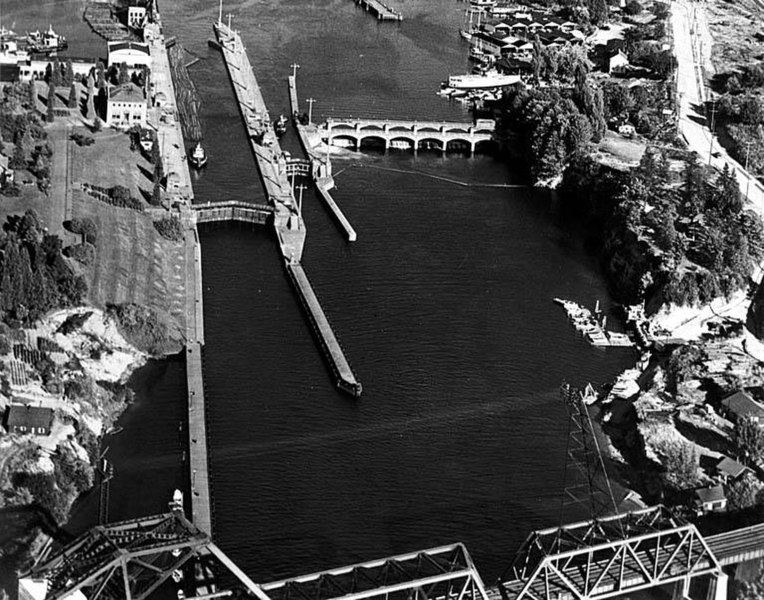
pixel 288 223
pixel 321 166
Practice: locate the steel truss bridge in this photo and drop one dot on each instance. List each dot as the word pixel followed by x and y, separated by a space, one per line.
pixel 590 560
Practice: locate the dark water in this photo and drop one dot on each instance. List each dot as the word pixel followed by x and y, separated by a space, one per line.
pixel 443 305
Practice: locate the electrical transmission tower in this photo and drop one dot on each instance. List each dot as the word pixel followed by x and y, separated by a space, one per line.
pixel 586 480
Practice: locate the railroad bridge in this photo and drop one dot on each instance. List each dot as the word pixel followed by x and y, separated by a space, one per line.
pixel 590 560
pixel 414 135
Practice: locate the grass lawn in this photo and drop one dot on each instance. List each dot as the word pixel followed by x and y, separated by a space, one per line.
pixel 133 262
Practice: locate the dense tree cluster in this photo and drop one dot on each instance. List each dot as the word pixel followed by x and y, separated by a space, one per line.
pixel 681 242
pixel 34 275
pixel 641 105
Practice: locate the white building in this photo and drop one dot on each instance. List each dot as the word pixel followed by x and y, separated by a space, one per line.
pixel 126 106
pixel 135 16
pixel 134 54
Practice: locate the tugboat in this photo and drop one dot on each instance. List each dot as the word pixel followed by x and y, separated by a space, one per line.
pixel 280 126
pixel 198 156
pixel 47 41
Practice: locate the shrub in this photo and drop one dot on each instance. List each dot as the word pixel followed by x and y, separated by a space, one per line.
pixel 82 253
pixel 170 228
pixel 82 140
pixel 86 227
pixel 145 329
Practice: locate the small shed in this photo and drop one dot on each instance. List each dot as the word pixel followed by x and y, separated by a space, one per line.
pixel 26 419
pixel 710 499
pixel 617 60
pixel 728 469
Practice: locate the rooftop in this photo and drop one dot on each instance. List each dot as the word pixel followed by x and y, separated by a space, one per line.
pixel 711 494
pixel 138 46
pixel 24 415
pixel 743 405
pixel 127 92
pixel 729 466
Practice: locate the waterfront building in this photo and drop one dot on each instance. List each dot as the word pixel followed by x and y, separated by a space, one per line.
pixel 125 106
pixel 26 419
pixel 136 16
pixel 134 54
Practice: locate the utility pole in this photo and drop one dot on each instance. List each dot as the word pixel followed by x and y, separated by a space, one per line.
pixel 294 66
pixel 747 174
pixel 310 102
pixel 711 146
pixel 220 13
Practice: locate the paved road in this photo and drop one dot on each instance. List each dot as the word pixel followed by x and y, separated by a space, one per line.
pixel 692 46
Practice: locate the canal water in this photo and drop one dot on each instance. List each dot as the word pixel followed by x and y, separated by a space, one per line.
pixel 443 305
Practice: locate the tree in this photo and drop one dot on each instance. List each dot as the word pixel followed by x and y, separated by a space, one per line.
pixel 67 78
pixel 681 462
pixel 73 97
pixel 749 438
pixel 598 11
pixel 18 160
pixel 50 114
pixel 55 73
pixel 32 91
pixel 744 492
pixel 123 75
pixel 632 8
pixel 156 194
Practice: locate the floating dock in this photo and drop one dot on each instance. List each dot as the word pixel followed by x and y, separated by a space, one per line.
pixel 320 166
pixel 287 218
pixel 380 10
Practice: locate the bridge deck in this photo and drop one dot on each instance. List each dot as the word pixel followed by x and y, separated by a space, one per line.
pixel 739 545
pixel 290 229
pixel 409 124
pixel 323 184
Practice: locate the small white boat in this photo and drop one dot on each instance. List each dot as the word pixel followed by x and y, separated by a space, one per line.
pixel 177 575
pixel 177 500
pixel 280 126
pixel 198 156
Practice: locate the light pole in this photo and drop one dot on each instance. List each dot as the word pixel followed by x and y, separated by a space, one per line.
pixel 747 174
pixel 299 201
pixel 310 102
pixel 294 66
pixel 713 114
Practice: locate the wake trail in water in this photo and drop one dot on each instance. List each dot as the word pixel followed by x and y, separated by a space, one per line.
pixel 438 177
pixel 401 425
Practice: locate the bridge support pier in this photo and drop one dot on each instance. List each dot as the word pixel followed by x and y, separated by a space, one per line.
pixel 682 589
pixel 717 588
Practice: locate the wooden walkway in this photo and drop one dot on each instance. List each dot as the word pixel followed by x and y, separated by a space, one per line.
pixel 321 166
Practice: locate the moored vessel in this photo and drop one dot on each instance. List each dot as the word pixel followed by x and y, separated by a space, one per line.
pixel 46 41
pixel 280 125
pixel 198 156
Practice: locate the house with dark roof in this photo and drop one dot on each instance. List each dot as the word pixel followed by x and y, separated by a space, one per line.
pixel 26 419
pixel 741 405
pixel 710 499
pixel 728 469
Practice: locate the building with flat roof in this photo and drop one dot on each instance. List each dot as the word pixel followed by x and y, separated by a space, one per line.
pixel 125 106
pixel 26 419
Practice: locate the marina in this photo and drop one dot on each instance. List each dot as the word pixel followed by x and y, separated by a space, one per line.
pixel 287 218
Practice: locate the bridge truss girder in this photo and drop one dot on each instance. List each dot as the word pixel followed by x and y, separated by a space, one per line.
pixel 127 560
pixel 583 561
pixel 444 573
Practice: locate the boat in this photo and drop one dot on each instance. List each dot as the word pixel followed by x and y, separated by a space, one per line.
pixel 280 126
pixel 481 81
pixel 46 41
pixel 466 35
pixel 177 500
pixel 592 325
pixel 625 386
pixel 198 156
pixel 177 575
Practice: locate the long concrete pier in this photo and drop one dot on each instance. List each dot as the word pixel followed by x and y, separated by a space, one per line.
pixel 172 148
pixel 321 166
pixel 288 223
